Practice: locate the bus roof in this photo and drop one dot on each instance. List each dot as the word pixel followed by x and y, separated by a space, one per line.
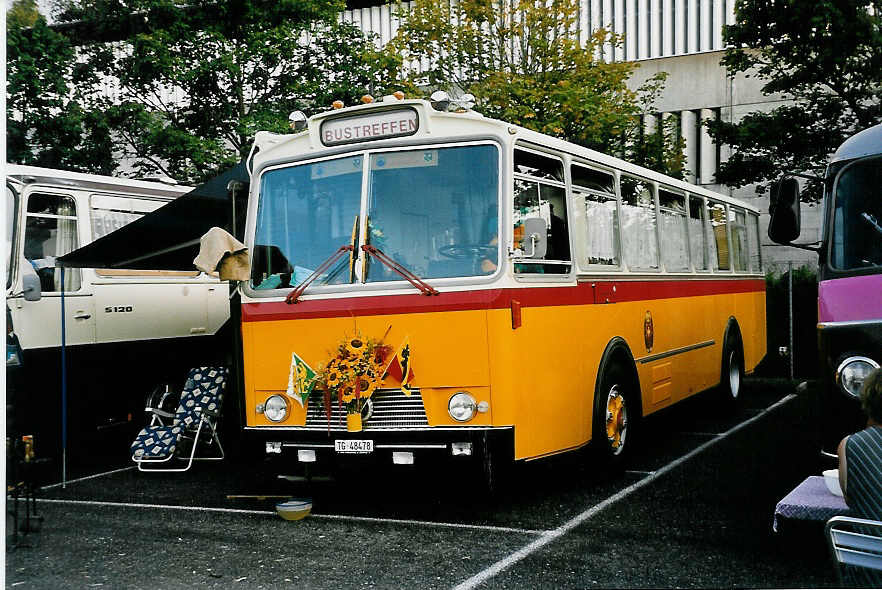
pixel 271 146
pixel 51 176
pixel 864 143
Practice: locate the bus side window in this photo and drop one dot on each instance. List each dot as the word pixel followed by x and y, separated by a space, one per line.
pixel 753 242
pixel 738 222
pixel 698 244
pixel 718 238
pixel 50 232
pixel 675 251
pixel 539 191
pixel 638 223
pixel 594 193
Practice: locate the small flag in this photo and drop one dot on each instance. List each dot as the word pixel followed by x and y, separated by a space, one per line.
pixel 301 379
pixel 401 366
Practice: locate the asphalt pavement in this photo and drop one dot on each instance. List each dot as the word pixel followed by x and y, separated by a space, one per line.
pixel 693 509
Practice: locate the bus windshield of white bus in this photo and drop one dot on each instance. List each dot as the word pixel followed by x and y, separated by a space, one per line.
pixel 857 216
pixel 432 210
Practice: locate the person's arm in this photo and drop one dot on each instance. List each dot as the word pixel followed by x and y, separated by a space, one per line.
pixel 843 471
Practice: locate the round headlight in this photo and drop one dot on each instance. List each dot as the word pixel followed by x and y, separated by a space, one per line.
pixel 851 373
pixel 462 406
pixel 276 408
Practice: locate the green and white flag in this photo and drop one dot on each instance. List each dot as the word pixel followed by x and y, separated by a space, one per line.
pixel 301 379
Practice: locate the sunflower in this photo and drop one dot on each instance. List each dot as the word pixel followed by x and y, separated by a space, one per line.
pixel 355 347
pixel 334 377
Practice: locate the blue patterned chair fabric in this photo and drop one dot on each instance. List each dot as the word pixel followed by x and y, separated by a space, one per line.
pixel 203 392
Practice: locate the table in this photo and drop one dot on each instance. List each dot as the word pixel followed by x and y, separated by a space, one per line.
pixel 810 501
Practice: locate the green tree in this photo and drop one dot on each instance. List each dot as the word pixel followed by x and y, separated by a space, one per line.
pixel 22 13
pixel 53 115
pixel 825 56
pixel 188 85
pixel 524 63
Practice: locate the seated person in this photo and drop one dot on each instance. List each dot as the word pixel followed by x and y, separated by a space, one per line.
pixel 860 470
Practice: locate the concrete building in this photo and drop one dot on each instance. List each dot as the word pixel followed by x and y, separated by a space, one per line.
pixel 683 38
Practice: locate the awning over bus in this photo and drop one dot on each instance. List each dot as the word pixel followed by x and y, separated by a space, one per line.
pixel 168 238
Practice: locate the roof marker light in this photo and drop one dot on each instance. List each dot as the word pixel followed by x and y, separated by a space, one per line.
pixel 337 104
pixel 297 120
pixel 367 99
pixel 440 100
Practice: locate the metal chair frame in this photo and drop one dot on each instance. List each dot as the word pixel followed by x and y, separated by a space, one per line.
pixel 214 439
pixel 855 542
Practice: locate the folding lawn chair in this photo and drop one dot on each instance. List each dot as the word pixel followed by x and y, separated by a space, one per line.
pixel 196 417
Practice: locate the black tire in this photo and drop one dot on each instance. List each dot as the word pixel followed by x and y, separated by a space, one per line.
pixel 731 389
pixel 164 396
pixel 616 413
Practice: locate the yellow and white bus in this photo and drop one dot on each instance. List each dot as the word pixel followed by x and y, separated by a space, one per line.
pixel 543 295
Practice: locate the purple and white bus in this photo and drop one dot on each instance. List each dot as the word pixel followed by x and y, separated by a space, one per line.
pixel 849 275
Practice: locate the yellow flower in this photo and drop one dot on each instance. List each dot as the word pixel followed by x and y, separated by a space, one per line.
pixel 355 346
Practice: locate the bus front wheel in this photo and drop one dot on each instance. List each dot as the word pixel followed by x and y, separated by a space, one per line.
pixel 615 413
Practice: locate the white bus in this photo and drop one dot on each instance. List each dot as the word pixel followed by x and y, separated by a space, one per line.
pixel 126 332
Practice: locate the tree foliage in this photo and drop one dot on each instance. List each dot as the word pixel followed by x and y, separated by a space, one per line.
pixel 183 88
pixel 52 117
pixel 525 64
pixel 826 56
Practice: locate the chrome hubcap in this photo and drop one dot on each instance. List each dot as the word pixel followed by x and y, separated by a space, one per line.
pixel 734 375
pixel 616 420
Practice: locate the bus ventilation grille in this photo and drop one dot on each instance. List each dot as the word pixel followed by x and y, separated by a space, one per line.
pixel 392 411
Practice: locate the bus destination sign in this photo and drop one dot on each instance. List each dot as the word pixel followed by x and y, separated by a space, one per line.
pixel 370 127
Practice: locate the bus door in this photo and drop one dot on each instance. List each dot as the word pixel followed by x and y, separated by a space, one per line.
pixel 51 228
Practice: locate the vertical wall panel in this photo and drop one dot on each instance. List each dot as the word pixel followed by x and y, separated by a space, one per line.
pixel 619 25
pixel 609 25
pixel 705 24
pixel 656 29
pixel 719 20
pixel 692 17
pixel 596 23
pixel 679 26
pixel 640 27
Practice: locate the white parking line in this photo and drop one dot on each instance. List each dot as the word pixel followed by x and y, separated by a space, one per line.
pixel 428 523
pixel 560 531
pixel 70 481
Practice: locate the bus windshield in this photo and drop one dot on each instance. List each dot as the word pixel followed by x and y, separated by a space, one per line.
pixel 857 216
pixel 433 210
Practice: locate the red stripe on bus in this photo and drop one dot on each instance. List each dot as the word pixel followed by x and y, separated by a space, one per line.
pixel 585 293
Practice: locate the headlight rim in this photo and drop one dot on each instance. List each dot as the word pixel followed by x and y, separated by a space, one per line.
pixel 267 411
pixel 846 362
pixel 472 403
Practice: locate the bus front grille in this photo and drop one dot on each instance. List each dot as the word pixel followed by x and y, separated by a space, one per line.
pixel 392 411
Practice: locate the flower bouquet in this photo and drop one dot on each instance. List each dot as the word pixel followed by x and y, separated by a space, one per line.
pixel 352 375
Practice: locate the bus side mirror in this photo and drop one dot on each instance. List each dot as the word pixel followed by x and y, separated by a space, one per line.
pixel 31 287
pixel 535 237
pixel 784 225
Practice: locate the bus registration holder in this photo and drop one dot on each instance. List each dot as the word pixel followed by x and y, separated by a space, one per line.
pixel 354 446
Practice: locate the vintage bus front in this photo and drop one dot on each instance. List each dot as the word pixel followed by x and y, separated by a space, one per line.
pixel 348 219
pixel 850 282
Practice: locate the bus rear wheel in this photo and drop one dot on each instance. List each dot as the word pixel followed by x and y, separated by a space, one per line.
pixel 615 413
pixel 732 371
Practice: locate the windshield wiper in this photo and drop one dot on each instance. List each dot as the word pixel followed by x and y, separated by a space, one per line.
pixel 294 296
pixel 411 278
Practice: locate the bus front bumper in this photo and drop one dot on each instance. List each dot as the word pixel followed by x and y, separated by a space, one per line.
pixel 400 447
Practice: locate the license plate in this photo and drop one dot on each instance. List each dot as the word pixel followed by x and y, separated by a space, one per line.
pixel 354 446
